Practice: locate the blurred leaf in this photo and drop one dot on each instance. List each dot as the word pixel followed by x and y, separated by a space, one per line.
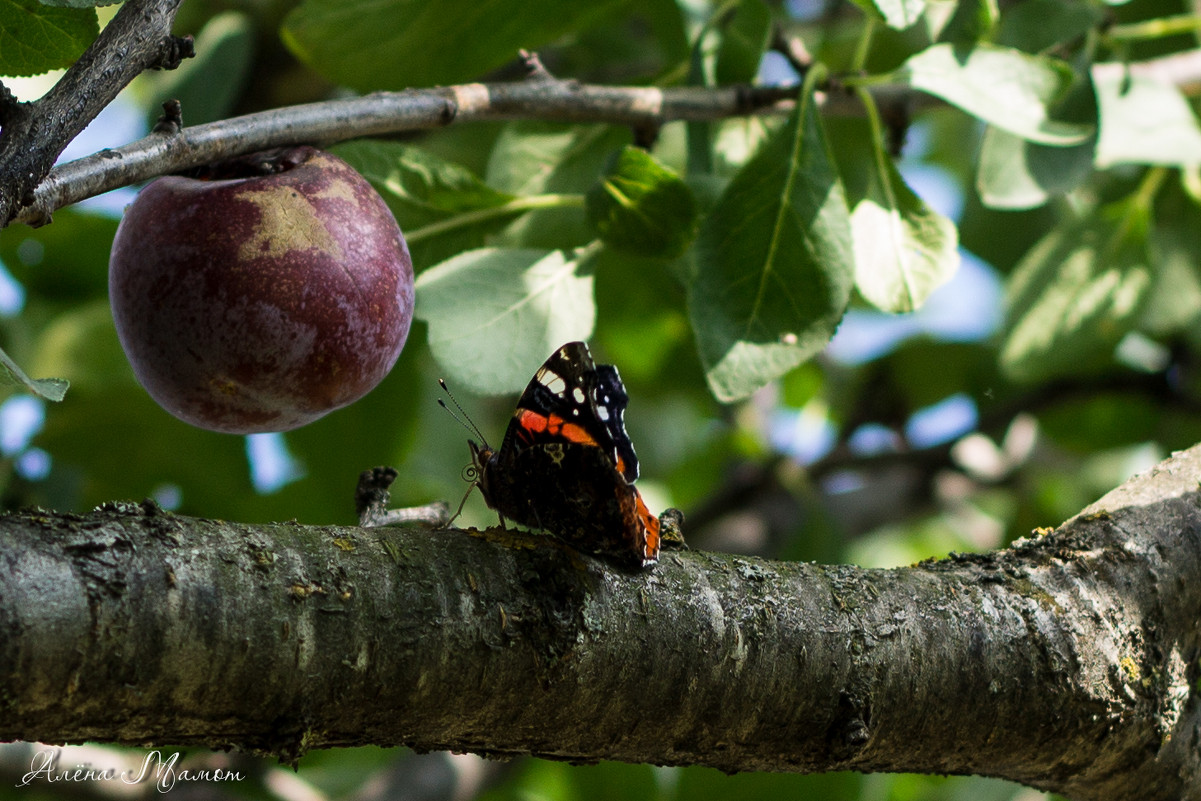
pixel 209 84
pixel 1174 301
pixel 707 784
pixel 1036 26
pixel 37 38
pixel 537 158
pixel 973 21
pixel 370 45
pixel 904 249
pixel 642 206
pixel 773 269
pixel 494 315
pixel 79 344
pixel 1004 87
pixel 1077 293
pixel 65 261
pixel 1017 174
pixel 1143 120
pixel 422 190
pixel 1101 421
pixel 744 39
pixel 897 14
pixel 928 371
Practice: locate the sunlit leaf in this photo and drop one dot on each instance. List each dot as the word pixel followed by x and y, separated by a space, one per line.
pixel 1143 120
pixel 904 249
pixel 774 269
pixel 1012 90
pixel 897 14
pixel 493 312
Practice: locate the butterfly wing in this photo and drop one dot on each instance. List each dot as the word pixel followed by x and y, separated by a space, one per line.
pixel 571 398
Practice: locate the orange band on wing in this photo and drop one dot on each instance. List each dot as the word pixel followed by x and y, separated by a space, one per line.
pixel 650 524
pixel 555 425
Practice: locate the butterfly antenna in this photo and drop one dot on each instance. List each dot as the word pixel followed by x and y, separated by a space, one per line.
pixel 462 418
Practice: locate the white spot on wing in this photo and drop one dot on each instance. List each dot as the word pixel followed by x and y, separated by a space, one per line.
pixel 602 412
pixel 578 394
pixel 552 381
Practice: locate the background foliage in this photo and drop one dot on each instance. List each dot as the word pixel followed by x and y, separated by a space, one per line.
pixel 1005 236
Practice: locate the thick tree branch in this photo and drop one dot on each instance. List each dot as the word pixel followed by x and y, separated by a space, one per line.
pixel 1069 662
pixel 34 134
pixel 172 149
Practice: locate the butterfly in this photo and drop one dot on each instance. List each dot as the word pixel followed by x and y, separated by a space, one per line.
pixel 566 464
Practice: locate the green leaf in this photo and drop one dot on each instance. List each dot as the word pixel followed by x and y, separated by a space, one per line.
pixel 773 270
pixel 81 344
pixel 371 45
pixel 1077 293
pixel 492 313
pixel 1174 303
pixel 1004 87
pixel 1143 120
pixel 897 14
pixel 36 38
pixel 1016 174
pixel 1036 26
pixel 904 249
pixel 442 207
pixel 972 21
pixel 744 39
pixel 537 158
pixel 52 389
pixel 208 85
pixel 642 206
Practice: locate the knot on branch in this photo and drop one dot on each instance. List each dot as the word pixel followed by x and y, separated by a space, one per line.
pixel 371 498
pixel 172 119
pixel 535 70
pixel 174 50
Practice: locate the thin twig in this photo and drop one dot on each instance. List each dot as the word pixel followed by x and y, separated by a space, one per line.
pixel 386 113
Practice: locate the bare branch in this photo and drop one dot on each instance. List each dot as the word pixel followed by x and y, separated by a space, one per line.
pixel 34 134
pixel 384 113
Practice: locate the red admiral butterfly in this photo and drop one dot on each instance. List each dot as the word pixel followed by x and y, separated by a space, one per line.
pixel 567 465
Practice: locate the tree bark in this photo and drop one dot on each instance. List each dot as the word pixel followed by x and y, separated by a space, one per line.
pixel 1069 662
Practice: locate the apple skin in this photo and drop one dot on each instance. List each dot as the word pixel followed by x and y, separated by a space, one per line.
pixel 261 302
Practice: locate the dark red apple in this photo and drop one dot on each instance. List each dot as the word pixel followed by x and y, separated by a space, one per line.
pixel 263 297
